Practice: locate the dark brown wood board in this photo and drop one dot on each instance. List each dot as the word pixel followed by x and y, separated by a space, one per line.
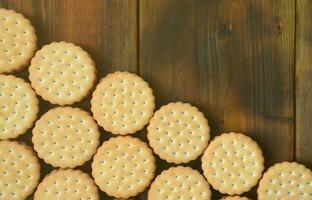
pixel 245 64
pixel 232 59
pixel 304 82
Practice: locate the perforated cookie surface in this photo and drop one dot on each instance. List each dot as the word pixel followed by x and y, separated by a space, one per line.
pixel 19 171
pixel 67 184
pixel 180 183
pixel 232 163
pixel 62 73
pixel 123 166
pixel 17 41
pixel 18 106
pixel 178 132
pixel 122 103
pixel 66 137
pixel 286 181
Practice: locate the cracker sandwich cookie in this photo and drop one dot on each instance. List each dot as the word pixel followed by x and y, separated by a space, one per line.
pixel 123 166
pixel 233 163
pixel 122 103
pixel 67 184
pixel 62 73
pixel 18 106
pixel 180 183
pixel 287 181
pixel 17 41
pixel 178 132
pixel 66 137
pixel 19 170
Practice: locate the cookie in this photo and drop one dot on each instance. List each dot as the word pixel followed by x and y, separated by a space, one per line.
pixel 19 170
pixel 233 163
pixel 123 166
pixel 122 103
pixel 179 183
pixel 287 181
pixel 62 73
pixel 178 132
pixel 234 198
pixel 17 41
pixel 18 106
pixel 66 137
pixel 67 184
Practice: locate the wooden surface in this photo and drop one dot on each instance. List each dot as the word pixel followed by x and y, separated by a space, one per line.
pixel 245 64
pixel 304 82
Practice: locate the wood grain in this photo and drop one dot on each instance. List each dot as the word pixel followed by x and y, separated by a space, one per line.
pixel 106 29
pixel 304 82
pixel 232 59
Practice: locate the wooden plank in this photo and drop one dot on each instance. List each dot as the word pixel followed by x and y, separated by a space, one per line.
pixel 304 82
pixel 232 59
pixel 106 29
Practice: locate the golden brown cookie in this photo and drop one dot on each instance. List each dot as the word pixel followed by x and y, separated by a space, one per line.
pixel 67 184
pixel 123 166
pixel 178 132
pixel 122 103
pixel 233 163
pixel 18 106
pixel 287 181
pixel 66 137
pixel 17 41
pixel 180 183
pixel 62 73
pixel 19 170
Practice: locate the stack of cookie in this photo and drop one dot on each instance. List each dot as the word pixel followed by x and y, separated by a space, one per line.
pixel 122 103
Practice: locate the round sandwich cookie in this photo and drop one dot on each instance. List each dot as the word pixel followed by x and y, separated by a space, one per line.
pixel 66 137
pixel 178 132
pixel 233 163
pixel 62 73
pixel 122 103
pixel 123 167
pixel 19 170
pixel 179 183
pixel 67 184
pixel 234 198
pixel 287 181
pixel 17 41
pixel 18 106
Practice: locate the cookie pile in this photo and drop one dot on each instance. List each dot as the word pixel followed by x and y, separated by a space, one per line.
pixel 122 104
